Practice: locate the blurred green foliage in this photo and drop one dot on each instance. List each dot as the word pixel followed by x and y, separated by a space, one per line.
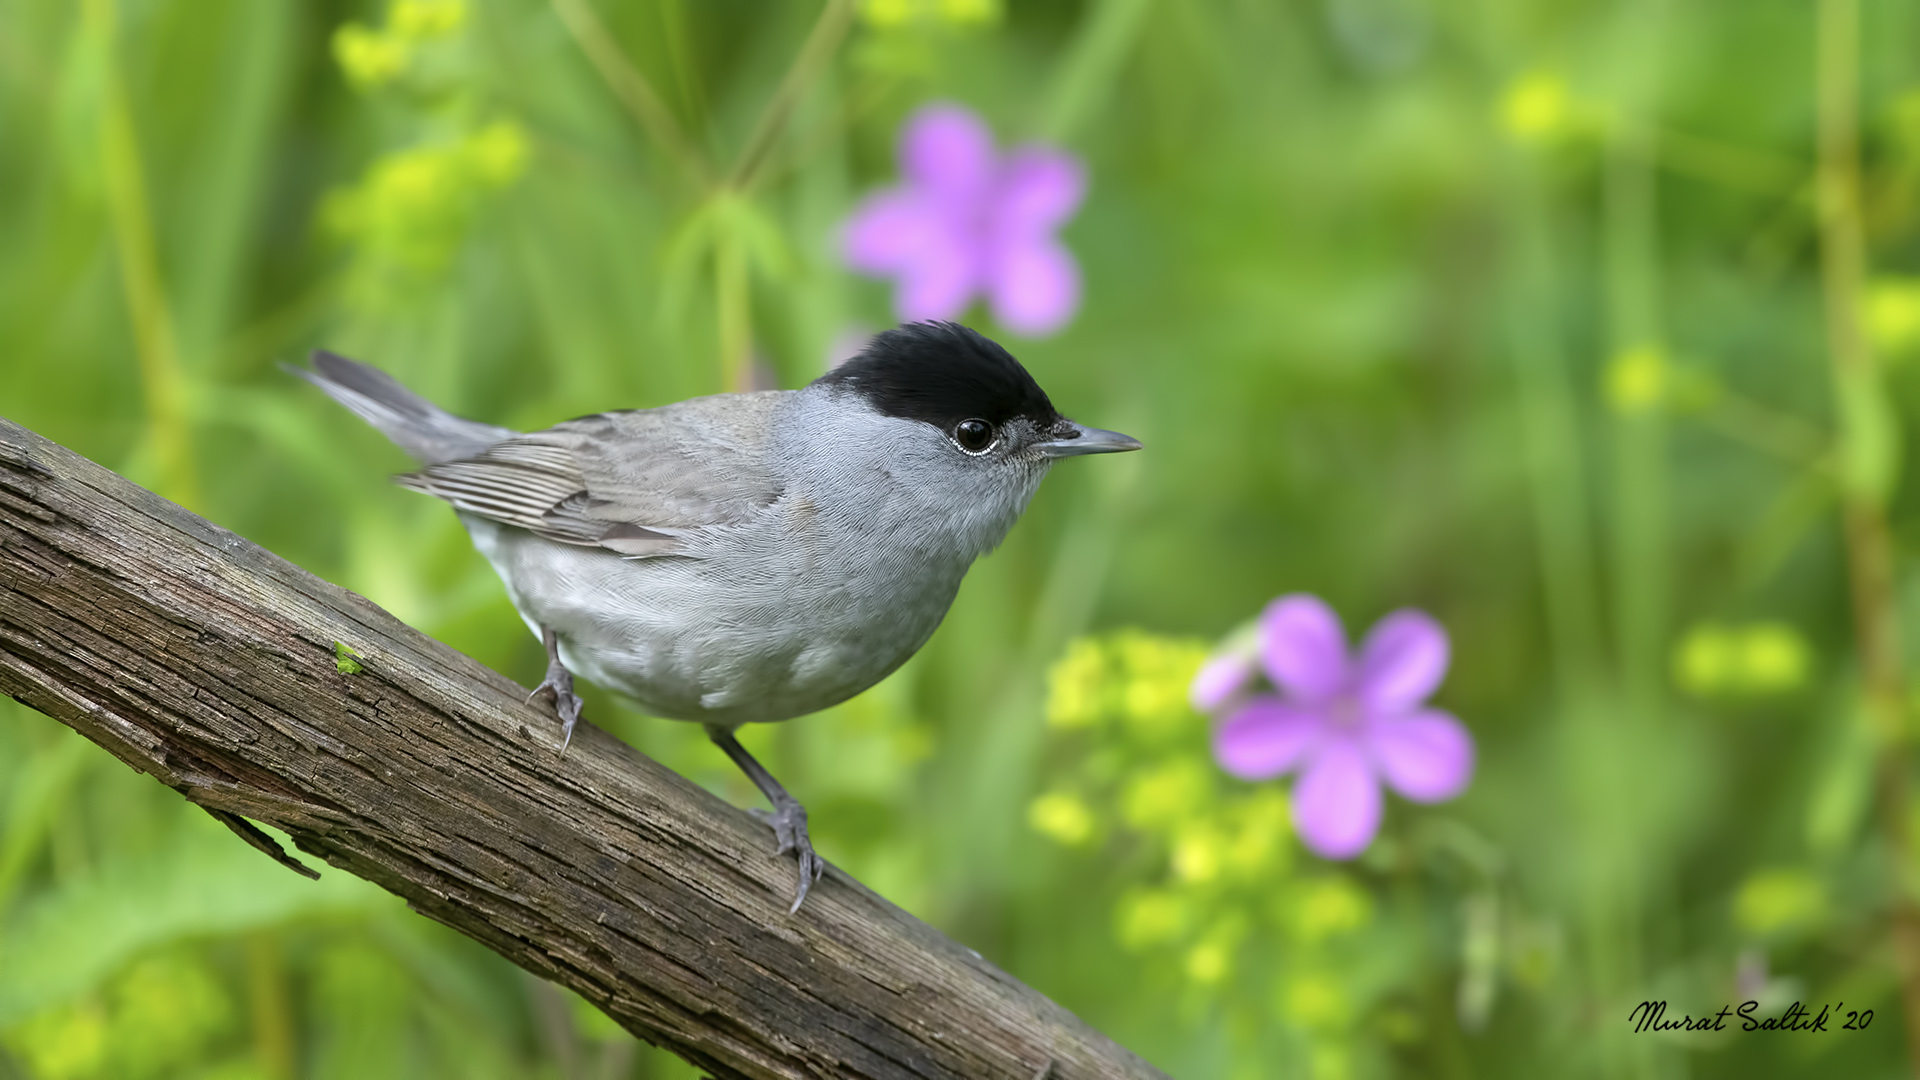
pixel 1510 310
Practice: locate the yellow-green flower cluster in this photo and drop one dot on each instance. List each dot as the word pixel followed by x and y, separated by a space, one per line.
pixel 1539 109
pixel 1637 380
pixel 1159 797
pixel 1644 379
pixel 1222 871
pixel 1134 686
pixel 1062 817
pixel 1078 685
pixel 411 209
pixel 1330 907
pixel 1131 679
pixel 963 13
pixel 1780 901
pixel 1536 108
pixel 1244 840
pixel 376 57
pixel 1892 316
pixel 1901 125
pixel 1753 660
pixel 1218 897
pixel 1316 1000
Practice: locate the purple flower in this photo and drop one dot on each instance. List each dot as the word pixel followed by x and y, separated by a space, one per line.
pixel 1345 722
pixel 967 221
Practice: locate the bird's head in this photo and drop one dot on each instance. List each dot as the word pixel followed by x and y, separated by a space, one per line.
pixel 959 418
pixel 969 389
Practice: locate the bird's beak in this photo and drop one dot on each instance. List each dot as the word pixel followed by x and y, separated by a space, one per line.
pixel 1072 440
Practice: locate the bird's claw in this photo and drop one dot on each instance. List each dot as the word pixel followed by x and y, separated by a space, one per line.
pixel 557 690
pixel 790 829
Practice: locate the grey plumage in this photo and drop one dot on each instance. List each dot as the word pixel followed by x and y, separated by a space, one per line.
pixel 626 481
pixel 415 424
pixel 743 557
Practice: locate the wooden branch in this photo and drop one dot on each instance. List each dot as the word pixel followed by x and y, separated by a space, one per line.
pixel 209 663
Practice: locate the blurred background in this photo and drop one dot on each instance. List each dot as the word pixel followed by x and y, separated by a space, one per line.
pixel 1589 328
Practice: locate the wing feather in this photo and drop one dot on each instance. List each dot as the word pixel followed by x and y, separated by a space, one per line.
pixel 633 482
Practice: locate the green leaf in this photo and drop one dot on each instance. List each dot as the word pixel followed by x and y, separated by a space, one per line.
pixel 201 881
pixel 41 794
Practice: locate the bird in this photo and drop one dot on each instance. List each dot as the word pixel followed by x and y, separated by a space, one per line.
pixel 743 557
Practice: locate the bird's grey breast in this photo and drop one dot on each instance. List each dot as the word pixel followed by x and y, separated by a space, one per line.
pixel 834 559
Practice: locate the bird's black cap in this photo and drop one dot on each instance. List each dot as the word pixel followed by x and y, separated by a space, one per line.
pixel 942 373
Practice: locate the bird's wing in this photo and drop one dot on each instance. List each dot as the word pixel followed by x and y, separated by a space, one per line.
pixel 633 482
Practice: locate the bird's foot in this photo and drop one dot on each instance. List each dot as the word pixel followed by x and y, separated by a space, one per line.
pixel 557 689
pixel 789 823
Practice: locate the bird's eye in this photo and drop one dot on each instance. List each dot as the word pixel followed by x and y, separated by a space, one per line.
pixel 973 436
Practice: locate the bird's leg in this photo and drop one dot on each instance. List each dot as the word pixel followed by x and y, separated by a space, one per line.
pixel 788 818
pixel 557 687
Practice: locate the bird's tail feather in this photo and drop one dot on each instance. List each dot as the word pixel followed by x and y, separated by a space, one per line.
pixel 416 425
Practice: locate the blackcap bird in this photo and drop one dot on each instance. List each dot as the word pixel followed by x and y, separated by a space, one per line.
pixel 744 558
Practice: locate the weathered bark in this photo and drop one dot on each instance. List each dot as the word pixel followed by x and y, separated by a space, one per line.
pixel 209 663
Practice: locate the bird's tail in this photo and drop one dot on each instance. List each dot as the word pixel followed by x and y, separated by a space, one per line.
pixel 416 425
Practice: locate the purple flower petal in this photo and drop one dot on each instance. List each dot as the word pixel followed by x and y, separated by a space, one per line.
pixel 939 282
pixel 963 221
pixel 1219 679
pixel 1336 804
pixel 890 230
pixel 908 236
pixel 1427 757
pixel 1402 662
pixel 1266 738
pixel 1040 188
pixel 949 151
pixel 1304 648
pixel 1034 286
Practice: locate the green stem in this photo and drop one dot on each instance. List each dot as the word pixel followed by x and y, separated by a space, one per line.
pixel 1766 429
pixel 272 1009
pixel 1686 154
pixel 1550 427
pixel 40 799
pixel 1795 511
pixel 1639 437
pixel 1092 63
pixel 631 87
pixel 1639 526
pixel 733 302
pixel 829 30
pixel 1595 753
pixel 673 19
pixel 147 309
pixel 1867 437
